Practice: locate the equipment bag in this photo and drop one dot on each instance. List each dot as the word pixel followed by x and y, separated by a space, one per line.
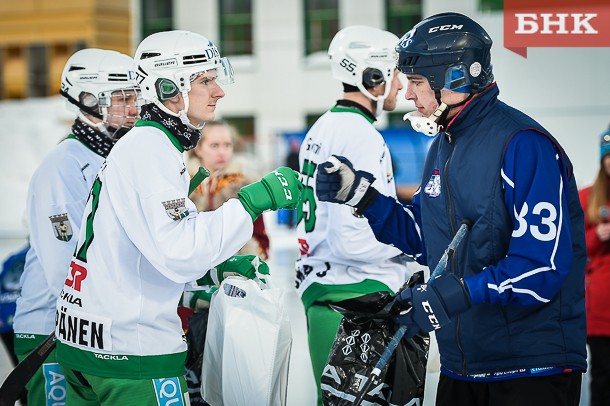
pixel 364 333
pixel 247 346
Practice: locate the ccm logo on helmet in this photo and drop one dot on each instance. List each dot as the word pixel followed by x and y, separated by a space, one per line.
pixel 431 317
pixel 447 27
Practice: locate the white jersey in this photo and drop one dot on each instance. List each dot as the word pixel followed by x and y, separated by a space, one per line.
pixel 56 200
pixel 336 246
pixel 141 241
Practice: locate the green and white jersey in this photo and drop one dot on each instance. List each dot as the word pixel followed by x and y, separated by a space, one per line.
pixel 337 248
pixel 141 241
pixel 56 200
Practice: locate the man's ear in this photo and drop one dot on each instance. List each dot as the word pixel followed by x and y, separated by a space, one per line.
pixel 175 103
pixel 377 90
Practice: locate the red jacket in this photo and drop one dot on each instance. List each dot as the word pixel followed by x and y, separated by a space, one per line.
pixel 597 277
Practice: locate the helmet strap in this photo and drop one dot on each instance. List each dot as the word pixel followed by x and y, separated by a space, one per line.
pixel 379 108
pixel 99 126
pixel 432 124
pixel 442 111
pixel 182 114
pixel 80 106
pixel 378 99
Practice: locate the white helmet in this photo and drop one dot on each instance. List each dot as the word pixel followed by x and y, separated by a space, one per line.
pixel 364 57
pixel 168 61
pixel 88 81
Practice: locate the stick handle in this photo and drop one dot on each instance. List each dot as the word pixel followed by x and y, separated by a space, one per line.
pixel 199 177
pixel 457 239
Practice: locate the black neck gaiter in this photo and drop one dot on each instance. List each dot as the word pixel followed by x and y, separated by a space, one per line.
pixel 188 137
pixel 92 138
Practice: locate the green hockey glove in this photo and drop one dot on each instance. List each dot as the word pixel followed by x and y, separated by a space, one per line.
pixel 249 266
pixel 280 189
pixel 198 300
pixel 201 299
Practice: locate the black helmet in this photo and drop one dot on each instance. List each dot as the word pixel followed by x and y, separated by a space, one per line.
pixel 450 50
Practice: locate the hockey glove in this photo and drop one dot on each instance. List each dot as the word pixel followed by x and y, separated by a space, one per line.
pixel 199 300
pixel 249 266
pixel 338 182
pixel 433 304
pixel 280 189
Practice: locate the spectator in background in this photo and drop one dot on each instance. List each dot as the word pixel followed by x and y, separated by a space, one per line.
pixel 595 201
pixel 214 151
pixel 292 159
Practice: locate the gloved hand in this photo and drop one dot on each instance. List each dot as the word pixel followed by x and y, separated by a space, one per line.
pixel 280 189
pixel 199 300
pixel 433 304
pixel 250 266
pixel 338 182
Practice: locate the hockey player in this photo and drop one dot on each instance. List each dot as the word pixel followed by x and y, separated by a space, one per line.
pixel 339 256
pixel 509 312
pixel 99 85
pixel 120 339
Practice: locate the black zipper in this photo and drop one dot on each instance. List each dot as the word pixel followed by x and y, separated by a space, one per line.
pixel 453 228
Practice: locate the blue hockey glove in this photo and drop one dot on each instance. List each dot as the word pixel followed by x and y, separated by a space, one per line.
pixel 338 182
pixel 433 304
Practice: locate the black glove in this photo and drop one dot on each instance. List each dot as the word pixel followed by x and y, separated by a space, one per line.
pixel 433 304
pixel 338 182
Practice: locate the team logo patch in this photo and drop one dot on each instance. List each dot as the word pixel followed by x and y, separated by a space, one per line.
pixel 433 187
pixel 176 209
pixel 61 227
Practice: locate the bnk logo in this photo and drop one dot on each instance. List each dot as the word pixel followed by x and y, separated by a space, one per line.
pixel 555 23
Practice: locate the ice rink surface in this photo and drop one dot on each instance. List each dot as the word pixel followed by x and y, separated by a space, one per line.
pixel 301 386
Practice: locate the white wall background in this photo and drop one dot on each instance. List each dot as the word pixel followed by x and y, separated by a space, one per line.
pixel 565 89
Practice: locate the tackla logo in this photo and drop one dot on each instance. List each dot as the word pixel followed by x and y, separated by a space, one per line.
pixel 176 209
pixel 61 227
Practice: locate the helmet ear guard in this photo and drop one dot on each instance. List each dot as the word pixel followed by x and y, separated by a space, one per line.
pixel 166 89
pixel 372 77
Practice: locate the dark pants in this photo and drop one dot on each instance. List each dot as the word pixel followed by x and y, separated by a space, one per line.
pixel 554 390
pixel 599 366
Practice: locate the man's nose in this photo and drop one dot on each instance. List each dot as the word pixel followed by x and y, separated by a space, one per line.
pixel 409 94
pixel 218 92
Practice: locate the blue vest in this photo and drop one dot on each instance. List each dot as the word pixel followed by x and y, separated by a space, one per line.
pixel 468 158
